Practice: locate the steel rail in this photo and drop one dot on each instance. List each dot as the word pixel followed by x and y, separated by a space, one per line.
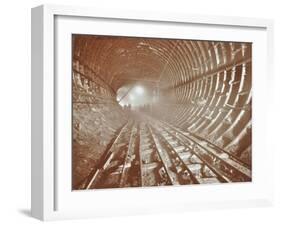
pixel 234 158
pixel 230 162
pixel 193 178
pixel 222 178
pixel 160 154
pixel 104 161
pixel 127 160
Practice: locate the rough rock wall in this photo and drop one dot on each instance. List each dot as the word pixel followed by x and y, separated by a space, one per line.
pixel 95 111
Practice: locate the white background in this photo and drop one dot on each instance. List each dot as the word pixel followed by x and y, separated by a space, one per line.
pixel 15 112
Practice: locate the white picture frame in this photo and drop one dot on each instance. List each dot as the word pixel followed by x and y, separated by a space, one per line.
pixel 52 198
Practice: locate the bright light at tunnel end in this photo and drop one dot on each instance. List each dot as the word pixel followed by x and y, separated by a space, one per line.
pixel 139 90
pixel 134 96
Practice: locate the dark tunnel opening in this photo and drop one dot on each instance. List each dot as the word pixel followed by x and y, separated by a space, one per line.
pixel 150 112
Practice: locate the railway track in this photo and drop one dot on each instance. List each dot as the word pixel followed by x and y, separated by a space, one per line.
pixel 186 166
pixel 154 167
pixel 148 152
pixel 119 166
pixel 226 167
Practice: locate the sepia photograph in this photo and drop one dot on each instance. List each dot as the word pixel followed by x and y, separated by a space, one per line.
pixel 150 112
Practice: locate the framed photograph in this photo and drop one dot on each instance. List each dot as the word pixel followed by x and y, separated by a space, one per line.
pixel 135 112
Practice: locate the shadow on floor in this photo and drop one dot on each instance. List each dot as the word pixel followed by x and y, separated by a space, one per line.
pixel 26 212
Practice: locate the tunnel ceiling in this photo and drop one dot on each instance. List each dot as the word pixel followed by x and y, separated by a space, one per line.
pixel 120 61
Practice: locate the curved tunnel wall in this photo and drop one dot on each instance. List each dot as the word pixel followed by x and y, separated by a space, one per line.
pixel 216 102
pixel 204 88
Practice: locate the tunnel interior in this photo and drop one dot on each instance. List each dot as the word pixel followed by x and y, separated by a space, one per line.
pixel 201 89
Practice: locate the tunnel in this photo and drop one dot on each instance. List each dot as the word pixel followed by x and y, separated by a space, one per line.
pixel 155 111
